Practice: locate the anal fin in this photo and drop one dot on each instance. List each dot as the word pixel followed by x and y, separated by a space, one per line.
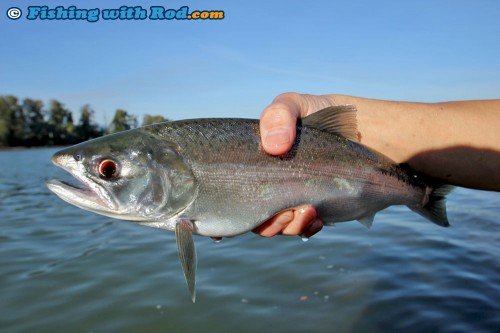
pixel 187 254
pixel 367 221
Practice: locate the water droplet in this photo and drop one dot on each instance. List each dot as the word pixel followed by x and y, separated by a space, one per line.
pixel 305 239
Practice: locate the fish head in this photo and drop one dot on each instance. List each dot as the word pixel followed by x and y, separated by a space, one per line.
pixel 133 175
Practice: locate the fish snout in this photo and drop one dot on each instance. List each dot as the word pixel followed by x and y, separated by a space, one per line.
pixel 63 160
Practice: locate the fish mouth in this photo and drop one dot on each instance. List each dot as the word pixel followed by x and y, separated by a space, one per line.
pixel 85 196
pixel 66 187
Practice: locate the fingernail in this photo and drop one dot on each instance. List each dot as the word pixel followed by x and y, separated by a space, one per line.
pixel 278 137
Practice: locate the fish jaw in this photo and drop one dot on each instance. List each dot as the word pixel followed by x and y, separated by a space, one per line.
pixel 89 196
pixel 82 197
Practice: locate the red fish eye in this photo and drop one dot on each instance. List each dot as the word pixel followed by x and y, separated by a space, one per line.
pixel 108 169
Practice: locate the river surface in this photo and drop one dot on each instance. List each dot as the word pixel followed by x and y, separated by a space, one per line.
pixel 63 269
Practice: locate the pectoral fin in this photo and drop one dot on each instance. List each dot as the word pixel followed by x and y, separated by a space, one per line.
pixel 187 253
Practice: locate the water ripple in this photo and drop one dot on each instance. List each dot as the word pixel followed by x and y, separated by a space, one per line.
pixel 64 269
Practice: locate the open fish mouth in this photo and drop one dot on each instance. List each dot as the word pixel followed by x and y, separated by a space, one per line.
pixel 83 196
pixel 66 189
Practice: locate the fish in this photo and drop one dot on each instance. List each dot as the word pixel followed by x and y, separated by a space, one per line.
pixel 212 177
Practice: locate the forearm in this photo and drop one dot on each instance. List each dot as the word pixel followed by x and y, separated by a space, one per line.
pixel 457 142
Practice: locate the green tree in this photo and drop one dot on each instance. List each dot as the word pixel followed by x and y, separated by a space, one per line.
pixel 36 129
pixel 58 116
pixel 148 120
pixel 87 128
pixel 70 129
pixel 12 122
pixel 122 121
pixel 4 122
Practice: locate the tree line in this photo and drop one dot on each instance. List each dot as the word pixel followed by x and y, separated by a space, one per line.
pixel 30 123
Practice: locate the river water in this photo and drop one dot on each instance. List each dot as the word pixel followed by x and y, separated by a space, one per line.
pixel 67 270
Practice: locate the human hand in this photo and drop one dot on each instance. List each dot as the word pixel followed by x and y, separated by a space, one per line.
pixel 300 221
pixel 278 120
pixel 278 130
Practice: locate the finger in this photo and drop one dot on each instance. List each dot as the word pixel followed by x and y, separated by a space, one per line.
pixel 313 228
pixel 278 128
pixel 278 121
pixel 275 224
pixel 302 218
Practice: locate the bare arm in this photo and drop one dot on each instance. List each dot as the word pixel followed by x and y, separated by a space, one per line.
pixel 457 142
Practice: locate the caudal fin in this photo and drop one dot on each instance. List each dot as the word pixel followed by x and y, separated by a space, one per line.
pixel 434 208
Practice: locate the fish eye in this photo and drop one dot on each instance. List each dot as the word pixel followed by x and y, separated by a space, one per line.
pixel 108 169
pixel 78 157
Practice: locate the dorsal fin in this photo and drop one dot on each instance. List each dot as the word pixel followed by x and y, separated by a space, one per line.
pixel 340 120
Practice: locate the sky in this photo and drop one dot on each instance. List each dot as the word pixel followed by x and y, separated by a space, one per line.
pixel 416 50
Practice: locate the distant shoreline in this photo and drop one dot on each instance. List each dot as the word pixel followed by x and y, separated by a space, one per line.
pixel 4 148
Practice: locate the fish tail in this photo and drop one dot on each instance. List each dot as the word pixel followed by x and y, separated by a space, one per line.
pixel 433 206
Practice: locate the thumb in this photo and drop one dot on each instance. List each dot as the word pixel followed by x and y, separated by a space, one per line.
pixel 278 120
pixel 278 127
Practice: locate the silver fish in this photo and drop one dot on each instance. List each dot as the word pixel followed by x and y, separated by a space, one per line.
pixel 211 177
